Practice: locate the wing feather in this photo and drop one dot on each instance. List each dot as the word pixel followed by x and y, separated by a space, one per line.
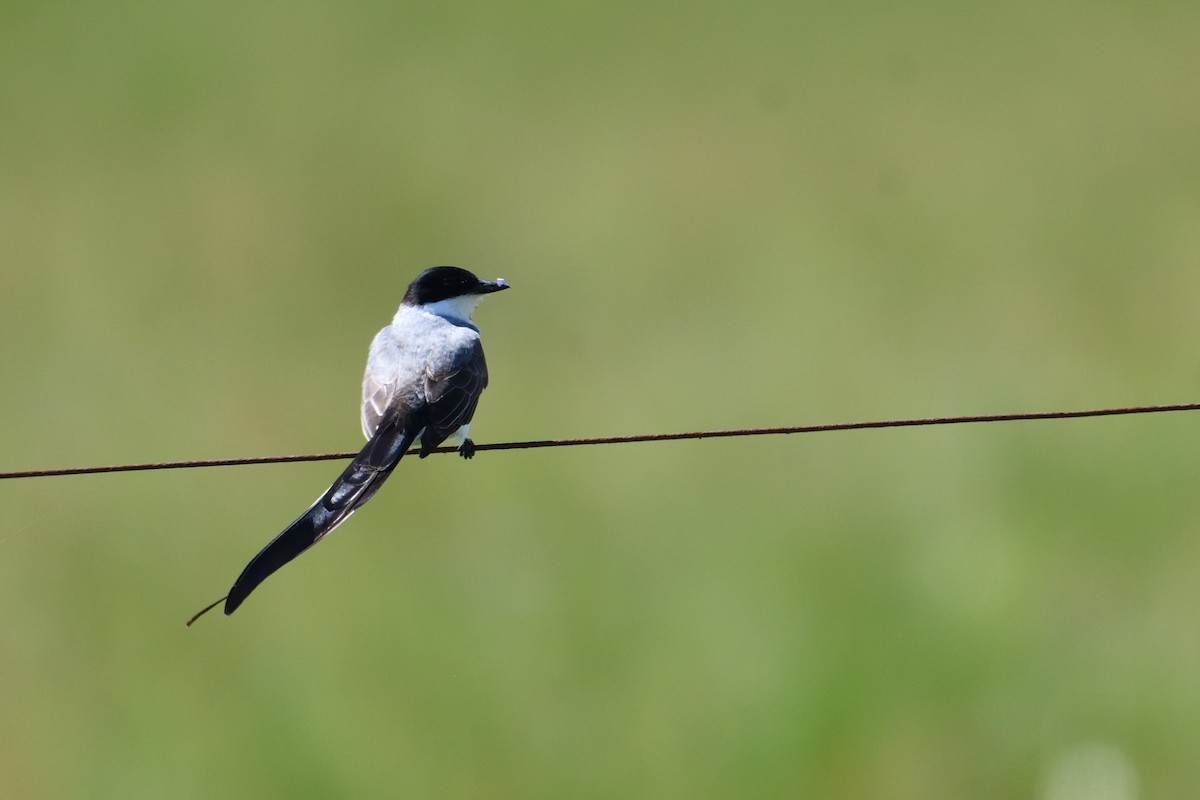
pixel 451 395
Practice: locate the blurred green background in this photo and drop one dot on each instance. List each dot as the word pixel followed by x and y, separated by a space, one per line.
pixel 712 215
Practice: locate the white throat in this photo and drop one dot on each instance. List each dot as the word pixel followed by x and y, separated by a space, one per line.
pixel 459 308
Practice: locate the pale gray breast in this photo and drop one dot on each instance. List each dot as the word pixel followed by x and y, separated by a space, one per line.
pixel 403 357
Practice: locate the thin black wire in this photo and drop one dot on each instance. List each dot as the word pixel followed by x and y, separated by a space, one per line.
pixel 648 437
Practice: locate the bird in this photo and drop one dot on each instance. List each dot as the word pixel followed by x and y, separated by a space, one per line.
pixel 425 372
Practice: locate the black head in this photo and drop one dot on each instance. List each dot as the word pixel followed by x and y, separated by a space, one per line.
pixel 443 283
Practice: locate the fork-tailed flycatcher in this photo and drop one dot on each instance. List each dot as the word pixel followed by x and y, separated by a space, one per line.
pixel 425 372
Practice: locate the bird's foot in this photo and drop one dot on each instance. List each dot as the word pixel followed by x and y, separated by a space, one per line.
pixel 467 449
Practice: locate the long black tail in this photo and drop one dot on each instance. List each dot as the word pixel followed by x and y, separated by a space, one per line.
pixel 366 473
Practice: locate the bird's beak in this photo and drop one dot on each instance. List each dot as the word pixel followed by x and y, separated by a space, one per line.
pixel 487 287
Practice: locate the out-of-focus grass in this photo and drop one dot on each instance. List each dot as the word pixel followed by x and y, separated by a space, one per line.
pixel 712 215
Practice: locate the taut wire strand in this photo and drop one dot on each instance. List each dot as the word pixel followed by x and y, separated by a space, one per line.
pixel 647 437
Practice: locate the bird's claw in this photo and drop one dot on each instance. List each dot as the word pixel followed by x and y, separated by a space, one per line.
pixel 467 449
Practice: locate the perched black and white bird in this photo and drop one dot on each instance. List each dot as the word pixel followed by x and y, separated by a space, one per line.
pixel 425 372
